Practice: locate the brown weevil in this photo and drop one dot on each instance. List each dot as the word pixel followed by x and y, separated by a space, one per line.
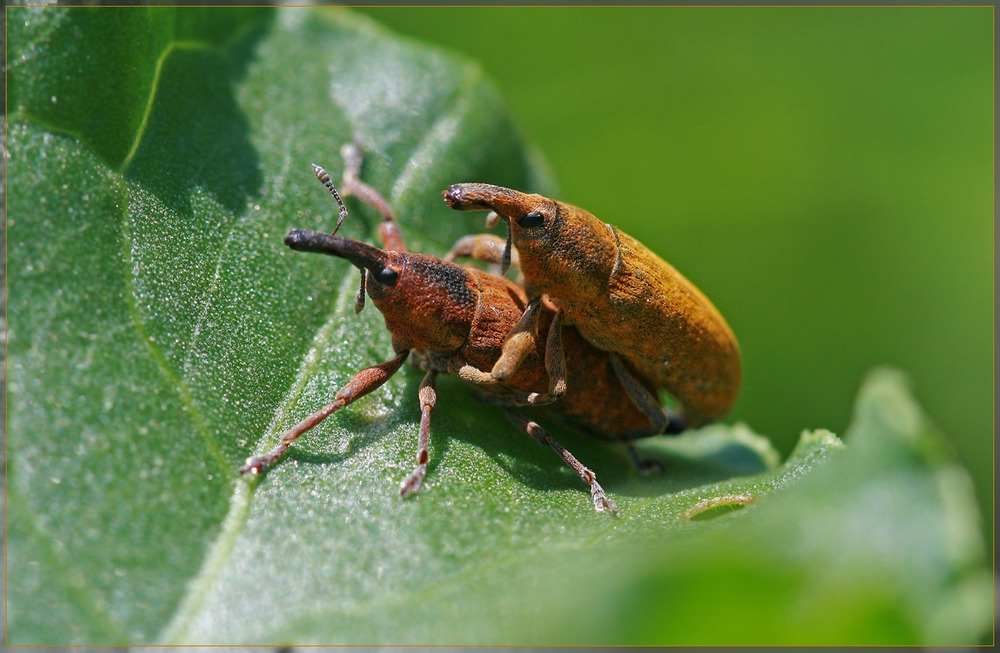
pixel 624 299
pixel 452 319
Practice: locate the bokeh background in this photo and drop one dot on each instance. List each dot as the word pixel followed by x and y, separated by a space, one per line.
pixel 825 175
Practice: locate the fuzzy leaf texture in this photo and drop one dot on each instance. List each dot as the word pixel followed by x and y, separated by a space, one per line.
pixel 160 332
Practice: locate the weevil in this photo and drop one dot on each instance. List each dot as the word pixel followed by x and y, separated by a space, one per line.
pixel 448 318
pixel 624 299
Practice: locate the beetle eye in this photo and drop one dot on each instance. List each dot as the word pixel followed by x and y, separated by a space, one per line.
pixel 531 219
pixel 387 277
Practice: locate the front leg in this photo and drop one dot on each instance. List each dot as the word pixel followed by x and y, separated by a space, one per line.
pixel 485 248
pixel 471 374
pixel 428 399
pixel 363 382
pixel 507 397
pixel 519 343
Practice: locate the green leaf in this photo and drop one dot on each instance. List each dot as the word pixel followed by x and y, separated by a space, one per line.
pixel 879 546
pixel 160 332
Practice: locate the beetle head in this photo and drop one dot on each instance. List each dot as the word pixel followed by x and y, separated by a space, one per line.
pixel 564 250
pixel 528 217
pixel 426 302
pixel 382 268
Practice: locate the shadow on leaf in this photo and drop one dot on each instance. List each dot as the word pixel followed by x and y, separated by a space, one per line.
pixel 197 135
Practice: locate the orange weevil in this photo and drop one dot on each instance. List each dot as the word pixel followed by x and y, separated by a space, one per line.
pixel 621 297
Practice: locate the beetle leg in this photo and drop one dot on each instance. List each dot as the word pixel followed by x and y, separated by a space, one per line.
pixel 555 365
pixel 471 374
pixel 476 376
pixel 486 248
pixel 388 230
pixel 644 400
pixel 428 399
pixel 363 382
pixel 518 343
pixel 601 501
pixel 555 357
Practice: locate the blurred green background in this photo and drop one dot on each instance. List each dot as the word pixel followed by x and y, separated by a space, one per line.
pixel 823 174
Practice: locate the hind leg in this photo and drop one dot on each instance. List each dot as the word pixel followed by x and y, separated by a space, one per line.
pixel 601 501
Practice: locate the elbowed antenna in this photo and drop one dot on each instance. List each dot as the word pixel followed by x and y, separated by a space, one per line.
pixel 360 254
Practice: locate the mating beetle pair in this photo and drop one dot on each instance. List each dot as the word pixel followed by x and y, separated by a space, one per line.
pixel 615 325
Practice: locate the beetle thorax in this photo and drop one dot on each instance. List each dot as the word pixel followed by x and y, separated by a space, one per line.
pixel 431 306
pixel 572 259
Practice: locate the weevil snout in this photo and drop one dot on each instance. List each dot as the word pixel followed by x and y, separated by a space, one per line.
pixel 510 205
pixel 360 254
pixel 382 267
